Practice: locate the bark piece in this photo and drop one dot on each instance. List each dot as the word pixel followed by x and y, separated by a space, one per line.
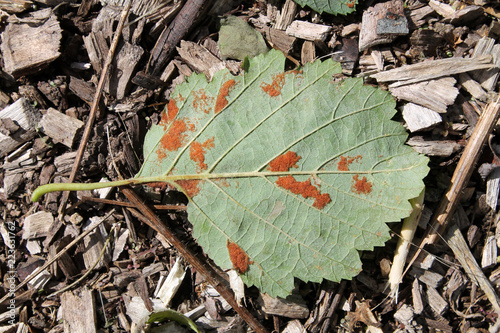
pixel 473 87
pixel 348 55
pixel 416 292
pixel 433 69
pixel 308 31
pixel 489 256
pixel 286 16
pixel 64 262
pixel 308 52
pixel 94 243
pixel 126 58
pixel 29 47
pixel 492 188
pixel 200 59
pixel 434 94
pixel 23 115
pixel 434 147
pixel 292 307
pixel 294 326
pixel 83 89
pixel 436 301
pixel 16 6
pixel 37 225
pixel 78 311
pixel 428 277
pixel 60 127
pixel 487 78
pixel 420 118
pixel 374 33
pixel 418 16
pixel 277 38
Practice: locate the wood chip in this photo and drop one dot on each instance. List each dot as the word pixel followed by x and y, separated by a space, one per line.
pixel 22 114
pixel 308 31
pixel 416 292
pixel 94 243
pixel 286 16
pixel 378 22
pixel 60 127
pixel 78 311
pixel 37 225
pixel 29 46
pixel 199 58
pixel 292 307
pixel 487 78
pixel 472 86
pixel 434 94
pixel 434 147
pixel 489 255
pixel 493 188
pixel 420 118
pixel 436 301
pixel 428 277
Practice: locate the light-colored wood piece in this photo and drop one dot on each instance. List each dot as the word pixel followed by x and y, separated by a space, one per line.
pixel 493 188
pixel 15 6
pixel 416 293
pixel 433 69
pixel 60 127
pixel 374 16
pixel 472 86
pixel 420 118
pixel 200 59
pixel 489 255
pixel 94 244
pixel 418 16
pixel 286 16
pixel 487 78
pixel 308 31
pixel 434 147
pixel 292 307
pixel 428 277
pixel 434 94
pixel 436 301
pixel 169 286
pixel 29 47
pixel 308 52
pixel 442 8
pixel 23 115
pixel 294 326
pixel 78 311
pixel 37 225
pixel 349 29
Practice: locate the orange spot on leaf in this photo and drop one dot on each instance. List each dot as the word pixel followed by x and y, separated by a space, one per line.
pixel 189 186
pixel 170 113
pixel 221 101
pixel 197 152
pixel 238 257
pixel 201 101
pixel 306 189
pixel 274 89
pixel 172 140
pixel 361 186
pixel 343 164
pixel 284 162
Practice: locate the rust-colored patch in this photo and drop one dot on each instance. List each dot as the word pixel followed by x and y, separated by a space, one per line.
pixel 172 140
pixel 197 152
pixel 157 185
pixel 161 153
pixel 361 186
pixel 238 257
pixel 201 101
pixel 170 113
pixel 345 161
pixel 190 186
pixel 284 162
pixel 221 101
pixel 274 89
pixel 351 4
pixel 306 189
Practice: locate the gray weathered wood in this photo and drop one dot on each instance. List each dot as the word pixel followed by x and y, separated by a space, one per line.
pixel 25 117
pixel 489 255
pixel 78 311
pixel 37 225
pixel 487 78
pixel 433 69
pixel 434 94
pixel 200 58
pixel 286 16
pixel 472 86
pixel 29 47
pixel 436 301
pixel 308 31
pixel 434 147
pixel 292 307
pixel 94 244
pixel 373 18
pixel 420 118
pixel 60 127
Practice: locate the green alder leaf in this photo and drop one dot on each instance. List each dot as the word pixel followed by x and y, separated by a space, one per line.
pixel 335 7
pixel 289 174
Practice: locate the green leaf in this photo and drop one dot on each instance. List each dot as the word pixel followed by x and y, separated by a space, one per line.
pixel 335 7
pixel 291 172
pixel 237 39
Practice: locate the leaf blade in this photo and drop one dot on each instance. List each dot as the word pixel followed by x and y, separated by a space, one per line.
pixel 310 219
